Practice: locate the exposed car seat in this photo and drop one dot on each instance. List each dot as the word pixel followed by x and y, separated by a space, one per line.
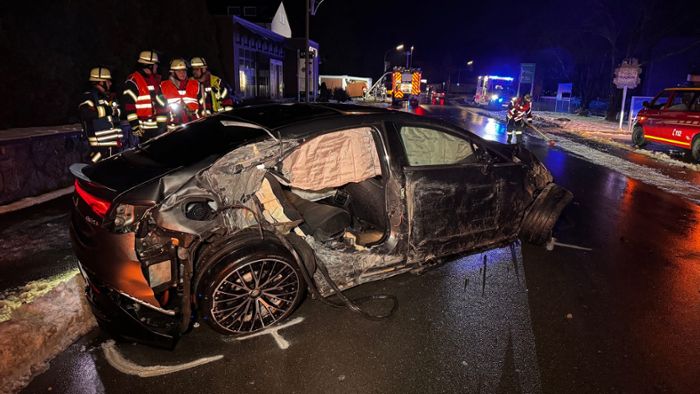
pixel 323 221
pixel 280 205
pixel 367 202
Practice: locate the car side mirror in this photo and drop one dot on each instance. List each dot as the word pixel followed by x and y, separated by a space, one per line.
pixel 646 104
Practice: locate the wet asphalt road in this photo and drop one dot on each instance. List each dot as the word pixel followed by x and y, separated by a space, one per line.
pixel 624 317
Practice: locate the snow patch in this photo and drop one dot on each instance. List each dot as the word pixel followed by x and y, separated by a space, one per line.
pixel 661 156
pixel 12 299
pixel 53 316
pixel 644 174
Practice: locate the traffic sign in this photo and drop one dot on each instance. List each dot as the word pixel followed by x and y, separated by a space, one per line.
pixel 627 75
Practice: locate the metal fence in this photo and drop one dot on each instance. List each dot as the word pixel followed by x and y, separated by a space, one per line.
pixel 569 106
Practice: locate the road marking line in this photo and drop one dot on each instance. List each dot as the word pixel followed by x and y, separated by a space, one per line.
pixel 273 331
pixel 121 364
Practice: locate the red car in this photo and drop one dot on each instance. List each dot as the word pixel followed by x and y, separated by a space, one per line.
pixel 672 118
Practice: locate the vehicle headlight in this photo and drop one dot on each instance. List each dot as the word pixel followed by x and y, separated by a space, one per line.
pixel 494 97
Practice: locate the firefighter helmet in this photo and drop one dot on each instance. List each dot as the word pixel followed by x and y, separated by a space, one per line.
pixel 178 64
pixel 100 74
pixel 528 98
pixel 198 62
pixel 148 57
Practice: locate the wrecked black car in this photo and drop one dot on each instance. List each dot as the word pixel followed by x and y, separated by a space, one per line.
pixel 230 219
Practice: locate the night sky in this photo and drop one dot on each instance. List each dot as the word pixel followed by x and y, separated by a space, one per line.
pixel 49 46
pixel 497 35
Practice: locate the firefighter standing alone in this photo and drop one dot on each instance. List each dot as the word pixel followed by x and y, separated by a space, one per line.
pixel 519 114
pixel 143 104
pixel 217 95
pixel 183 95
pixel 99 114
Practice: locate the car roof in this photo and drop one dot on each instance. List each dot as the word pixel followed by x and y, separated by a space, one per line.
pixel 295 120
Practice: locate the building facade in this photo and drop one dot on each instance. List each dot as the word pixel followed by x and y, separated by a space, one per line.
pixel 261 59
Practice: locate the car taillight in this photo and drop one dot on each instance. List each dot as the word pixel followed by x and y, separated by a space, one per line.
pixel 98 205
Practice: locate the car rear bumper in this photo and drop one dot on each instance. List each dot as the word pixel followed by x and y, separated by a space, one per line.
pixel 122 300
pixel 125 318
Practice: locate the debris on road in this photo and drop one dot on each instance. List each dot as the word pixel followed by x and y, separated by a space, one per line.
pixel 553 242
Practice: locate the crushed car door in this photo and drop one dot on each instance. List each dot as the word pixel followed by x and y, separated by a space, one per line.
pixel 451 197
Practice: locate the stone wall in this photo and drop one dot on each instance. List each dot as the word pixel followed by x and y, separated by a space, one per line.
pixel 33 165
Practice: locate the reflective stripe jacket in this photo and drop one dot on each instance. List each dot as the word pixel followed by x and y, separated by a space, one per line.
pixel 217 95
pixel 143 104
pixel 184 98
pixel 99 114
pixel 519 110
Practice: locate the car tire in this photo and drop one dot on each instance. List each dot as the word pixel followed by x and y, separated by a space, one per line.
pixel 638 136
pixel 695 148
pixel 245 293
pixel 543 213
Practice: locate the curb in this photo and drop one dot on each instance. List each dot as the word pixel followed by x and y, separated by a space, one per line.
pixel 40 330
pixel 31 201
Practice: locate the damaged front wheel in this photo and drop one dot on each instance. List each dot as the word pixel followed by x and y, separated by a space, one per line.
pixel 253 293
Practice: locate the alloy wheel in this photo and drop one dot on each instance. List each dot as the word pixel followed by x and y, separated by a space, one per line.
pixel 255 295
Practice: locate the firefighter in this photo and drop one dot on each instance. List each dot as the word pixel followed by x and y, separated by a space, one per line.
pixel 510 117
pixel 143 103
pixel 99 114
pixel 183 95
pixel 519 114
pixel 217 94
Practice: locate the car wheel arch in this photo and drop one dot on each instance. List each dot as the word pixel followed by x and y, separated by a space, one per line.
pixel 243 242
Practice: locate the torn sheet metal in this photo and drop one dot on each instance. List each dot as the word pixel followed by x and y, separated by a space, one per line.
pixel 348 267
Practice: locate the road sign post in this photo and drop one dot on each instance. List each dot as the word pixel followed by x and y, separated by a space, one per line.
pixel 527 76
pixel 626 76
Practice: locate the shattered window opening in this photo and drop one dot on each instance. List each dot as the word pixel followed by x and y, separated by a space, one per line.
pixel 425 147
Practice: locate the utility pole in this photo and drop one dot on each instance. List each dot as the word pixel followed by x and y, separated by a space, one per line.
pixel 306 51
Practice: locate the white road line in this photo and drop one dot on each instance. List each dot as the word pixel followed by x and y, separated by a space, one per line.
pixel 273 331
pixel 121 364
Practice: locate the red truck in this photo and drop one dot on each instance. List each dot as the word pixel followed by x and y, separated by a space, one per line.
pixel 671 118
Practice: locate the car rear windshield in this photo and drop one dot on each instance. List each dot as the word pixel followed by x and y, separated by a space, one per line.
pixel 196 141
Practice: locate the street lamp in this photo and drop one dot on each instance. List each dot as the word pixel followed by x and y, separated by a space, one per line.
pixel 311 9
pixel 397 48
pixel 411 56
pixel 470 63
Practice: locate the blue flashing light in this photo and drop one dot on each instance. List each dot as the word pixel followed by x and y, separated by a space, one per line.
pixel 500 100
pixel 496 77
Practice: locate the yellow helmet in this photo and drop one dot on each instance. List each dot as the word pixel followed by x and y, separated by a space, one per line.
pixel 148 57
pixel 178 64
pixel 198 62
pixel 99 74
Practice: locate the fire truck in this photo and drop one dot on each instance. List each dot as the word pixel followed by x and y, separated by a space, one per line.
pixel 493 91
pixel 405 85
